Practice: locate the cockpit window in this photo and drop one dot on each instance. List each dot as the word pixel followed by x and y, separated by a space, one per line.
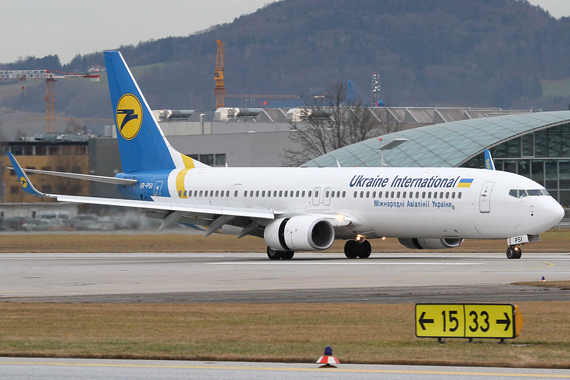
pixel 531 193
pixel 534 193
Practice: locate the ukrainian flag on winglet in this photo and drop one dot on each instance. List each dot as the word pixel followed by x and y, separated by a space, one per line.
pixel 465 182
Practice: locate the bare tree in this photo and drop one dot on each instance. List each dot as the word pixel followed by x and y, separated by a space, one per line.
pixel 73 127
pixel 330 122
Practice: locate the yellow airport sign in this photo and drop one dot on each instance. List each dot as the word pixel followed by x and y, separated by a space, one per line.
pixel 502 321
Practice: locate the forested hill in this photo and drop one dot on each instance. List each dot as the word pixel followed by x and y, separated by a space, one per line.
pixel 428 52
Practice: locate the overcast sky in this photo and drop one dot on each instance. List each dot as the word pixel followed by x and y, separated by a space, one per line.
pixel 70 27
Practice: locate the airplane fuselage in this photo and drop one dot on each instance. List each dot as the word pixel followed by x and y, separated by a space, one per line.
pixel 379 202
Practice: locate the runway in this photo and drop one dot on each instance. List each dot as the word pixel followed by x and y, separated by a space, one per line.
pixel 63 369
pixel 251 277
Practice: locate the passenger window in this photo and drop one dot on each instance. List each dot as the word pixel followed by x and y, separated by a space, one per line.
pixel 227 193
pixel 269 194
pixel 368 194
pixel 453 195
pixel 200 192
pixel 435 194
pixel 362 194
pixel 285 194
pixel 344 194
pixel 459 195
pixel 257 194
pixel 280 193
pixel 373 194
pixel 251 193
pixel 447 195
pixel 303 194
pixel 179 193
pixel 235 194
pixel 211 193
pixel 417 194
pixel 316 194
pixel 309 194
pixel 441 194
pixel 338 194
pixel 326 194
pixel 297 194
pixel 429 194
pixel 355 194
pixel 262 193
pixel 217 193
pixel 404 194
pixel 379 194
pixel 398 195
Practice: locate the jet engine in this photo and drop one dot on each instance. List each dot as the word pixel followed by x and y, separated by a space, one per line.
pixel 299 233
pixel 431 243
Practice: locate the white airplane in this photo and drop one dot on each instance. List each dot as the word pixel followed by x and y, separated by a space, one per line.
pixel 306 209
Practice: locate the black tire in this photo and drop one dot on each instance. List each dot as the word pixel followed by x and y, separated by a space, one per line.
pixel 273 254
pixel 287 255
pixel 365 250
pixel 518 253
pixel 352 249
pixel 510 253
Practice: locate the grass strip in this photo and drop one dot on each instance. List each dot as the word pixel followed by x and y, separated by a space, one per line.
pixel 358 333
pixel 552 241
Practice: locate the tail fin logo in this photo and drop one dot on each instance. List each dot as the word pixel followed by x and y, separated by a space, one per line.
pixel 129 116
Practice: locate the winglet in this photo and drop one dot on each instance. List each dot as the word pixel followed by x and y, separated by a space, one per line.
pixel 24 180
pixel 489 164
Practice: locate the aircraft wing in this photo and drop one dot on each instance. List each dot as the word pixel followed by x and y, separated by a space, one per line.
pixel 87 177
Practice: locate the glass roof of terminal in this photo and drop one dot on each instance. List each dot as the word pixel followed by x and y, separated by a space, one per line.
pixel 441 145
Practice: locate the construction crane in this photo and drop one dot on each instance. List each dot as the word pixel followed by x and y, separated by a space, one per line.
pixel 220 89
pixel 50 77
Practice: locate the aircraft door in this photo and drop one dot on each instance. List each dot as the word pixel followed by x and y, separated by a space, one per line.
pixel 327 196
pixel 317 196
pixel 158 189
pixel 485 197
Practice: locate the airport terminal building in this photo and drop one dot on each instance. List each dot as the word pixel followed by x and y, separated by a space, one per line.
pixel 534 145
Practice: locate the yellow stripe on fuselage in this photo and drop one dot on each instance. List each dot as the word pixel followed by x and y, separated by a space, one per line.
pixel 188 164
pixel 180 190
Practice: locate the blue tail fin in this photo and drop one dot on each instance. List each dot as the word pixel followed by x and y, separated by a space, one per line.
pixel 142 144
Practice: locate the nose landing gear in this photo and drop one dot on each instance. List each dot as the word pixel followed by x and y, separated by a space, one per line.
pixel 514 252
pixel 354 249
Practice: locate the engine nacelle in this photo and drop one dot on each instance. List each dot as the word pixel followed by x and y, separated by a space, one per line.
pixel 299 233
pixel 431 243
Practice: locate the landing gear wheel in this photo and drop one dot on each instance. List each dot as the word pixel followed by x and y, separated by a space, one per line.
pixel 514 252
pixel 352 249
pixel 273 254
pixel 287 255
pixel 366 250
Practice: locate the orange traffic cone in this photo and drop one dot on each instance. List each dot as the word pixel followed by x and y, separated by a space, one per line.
pixel 328 359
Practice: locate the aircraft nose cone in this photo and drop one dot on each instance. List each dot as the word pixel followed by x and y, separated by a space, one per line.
pixel 550 212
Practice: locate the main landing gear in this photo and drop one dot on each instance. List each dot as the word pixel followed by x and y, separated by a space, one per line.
pixel 514 252
pixel 276 255
pixel 354 249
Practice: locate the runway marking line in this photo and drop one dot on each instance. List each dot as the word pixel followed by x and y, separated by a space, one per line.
pixel 522 270
pixel 317 263
pixel 291 369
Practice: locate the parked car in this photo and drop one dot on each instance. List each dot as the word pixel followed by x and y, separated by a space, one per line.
pixel 36 225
